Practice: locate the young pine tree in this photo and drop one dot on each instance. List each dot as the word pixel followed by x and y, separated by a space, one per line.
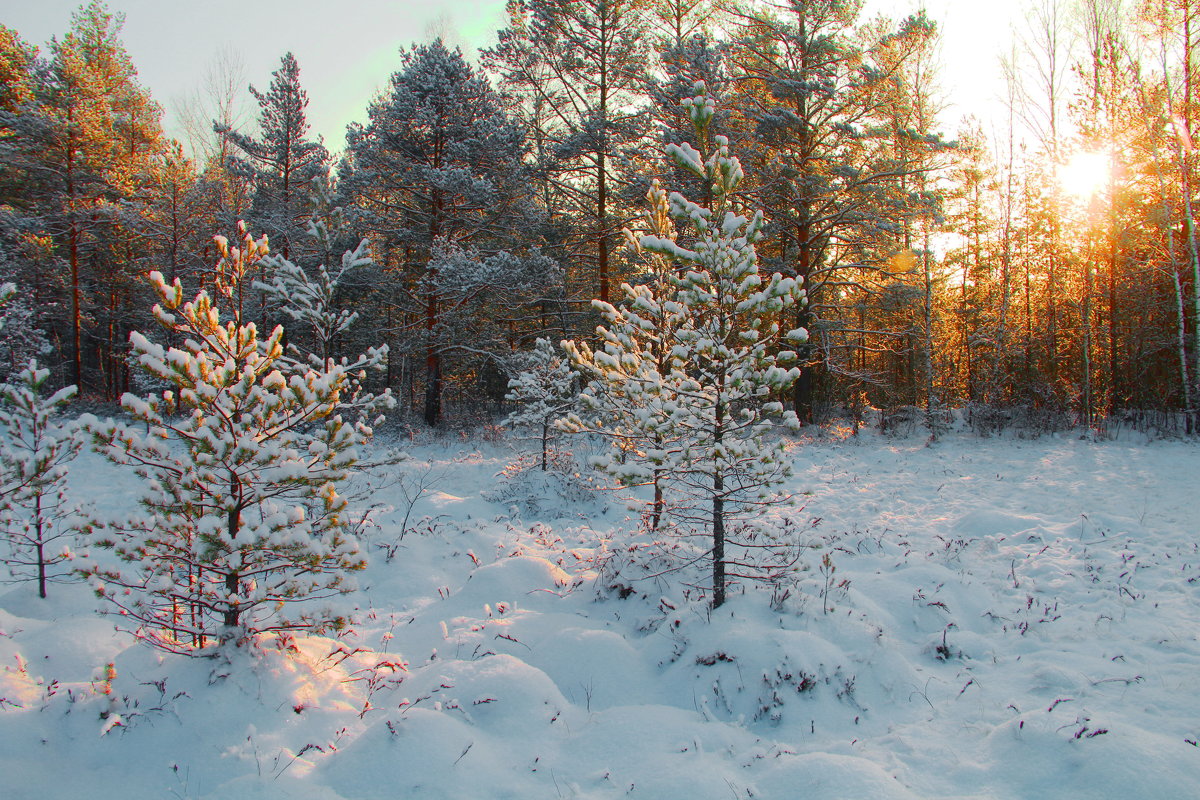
pixel 628 398
pixel 242 527
pixel 309 296
pixel 544 386
pixel 726 357
pixel 34 451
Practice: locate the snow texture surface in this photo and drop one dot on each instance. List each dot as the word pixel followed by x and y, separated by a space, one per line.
pixel 1002 619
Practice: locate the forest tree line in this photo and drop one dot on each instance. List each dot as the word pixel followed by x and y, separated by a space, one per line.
pixel 944 269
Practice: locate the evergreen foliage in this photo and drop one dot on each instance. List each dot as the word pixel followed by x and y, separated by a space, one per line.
pixel 626 372
pixel 283 164
pixel 34 452
pixel 77 142
pixel 437 176
pixel 544 387
pixel 311 300
pixel 494 217
pixel 580 68
pixel 727 359
pixel 243 527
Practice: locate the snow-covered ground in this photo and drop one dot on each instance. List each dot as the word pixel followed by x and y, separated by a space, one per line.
pixel 1004 619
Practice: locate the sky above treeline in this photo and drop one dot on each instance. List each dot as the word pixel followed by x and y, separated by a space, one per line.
pixel 347 52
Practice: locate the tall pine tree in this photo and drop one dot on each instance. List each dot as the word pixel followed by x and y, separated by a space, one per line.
pixel 437 178
pixel 84 138
pixel 283 162
pixel 580 67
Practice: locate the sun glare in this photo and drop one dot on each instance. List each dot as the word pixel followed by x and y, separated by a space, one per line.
pixel 1084 175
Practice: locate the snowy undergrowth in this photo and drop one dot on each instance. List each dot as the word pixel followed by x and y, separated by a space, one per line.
pixel 993 619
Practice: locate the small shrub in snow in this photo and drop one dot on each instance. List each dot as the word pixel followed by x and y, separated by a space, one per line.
pixel 544 387
pixel 411 485
pixel 243 525
pixel 34 451
pixel 560 490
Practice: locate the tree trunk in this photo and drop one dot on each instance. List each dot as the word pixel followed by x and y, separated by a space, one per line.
pixel 804 389
pixel 1181 349
pixel 718 509
pixel 39 534
pixel 1085 395
pixel 931 401
pixel 433 365
pixel 433 358
pixel 433 387
pixel 602 227
pixel 73 248
pixel 232 615
pixel 656 513
pixel 718 556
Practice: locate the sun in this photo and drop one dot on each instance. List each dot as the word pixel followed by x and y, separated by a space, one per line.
pixel 1084 174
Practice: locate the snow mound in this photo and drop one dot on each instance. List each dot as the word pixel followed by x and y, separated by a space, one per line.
pixel 1002 619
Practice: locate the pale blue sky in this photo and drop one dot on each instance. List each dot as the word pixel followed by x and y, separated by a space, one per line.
pixel 347 53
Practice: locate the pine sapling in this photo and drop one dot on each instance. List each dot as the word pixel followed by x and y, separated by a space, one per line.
pixel 34 452
pixel 309 296
pixel 243 525
pixel 628 399
pixel 690 371
pixel 544 387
